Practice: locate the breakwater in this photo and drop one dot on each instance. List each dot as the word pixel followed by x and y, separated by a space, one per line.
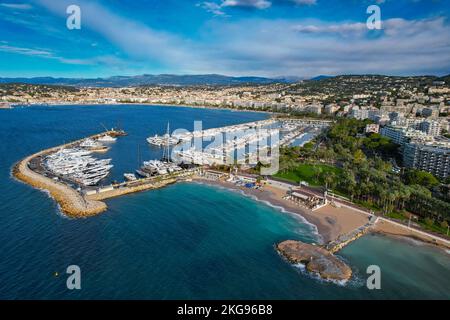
pixel 79 204
pixel 71 202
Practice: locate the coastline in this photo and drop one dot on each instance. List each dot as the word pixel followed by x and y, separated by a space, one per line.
pixel 391 229
pixel 145 104
pixel 330 222
pixel 329 225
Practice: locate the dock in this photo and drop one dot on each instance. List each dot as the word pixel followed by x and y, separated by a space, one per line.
pixel 144 184
pixel 346 239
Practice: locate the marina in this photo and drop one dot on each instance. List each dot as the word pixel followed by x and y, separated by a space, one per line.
pixel 248 143
pixel 75 168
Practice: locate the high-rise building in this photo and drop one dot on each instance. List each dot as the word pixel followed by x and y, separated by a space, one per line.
pixel 431 127
pixel 434 159
pixel 402 135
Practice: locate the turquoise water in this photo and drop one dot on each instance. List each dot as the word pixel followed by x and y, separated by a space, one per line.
pixel 186 241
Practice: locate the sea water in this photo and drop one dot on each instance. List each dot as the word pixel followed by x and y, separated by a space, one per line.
pixel 185 241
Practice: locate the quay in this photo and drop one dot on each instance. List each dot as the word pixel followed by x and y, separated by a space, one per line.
pixel 124 188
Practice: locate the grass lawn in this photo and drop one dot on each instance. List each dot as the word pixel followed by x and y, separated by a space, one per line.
pixel 434 228
pixel 308 173
pixel 397 215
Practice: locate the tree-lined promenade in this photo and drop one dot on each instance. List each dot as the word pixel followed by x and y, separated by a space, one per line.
pixel 359 167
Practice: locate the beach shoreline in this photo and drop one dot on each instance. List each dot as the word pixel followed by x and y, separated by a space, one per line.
pixel 270 113
pixel 328 227
pixel 330 222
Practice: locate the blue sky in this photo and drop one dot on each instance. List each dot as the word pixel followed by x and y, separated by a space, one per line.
pixel 301 38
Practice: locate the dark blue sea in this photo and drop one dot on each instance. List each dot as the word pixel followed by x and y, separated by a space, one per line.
pixel 186 241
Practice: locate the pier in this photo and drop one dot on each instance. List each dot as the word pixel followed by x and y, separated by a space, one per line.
pixel 115 190
pixel 346 239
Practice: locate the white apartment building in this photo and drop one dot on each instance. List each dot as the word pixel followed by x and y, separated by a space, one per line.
pixel 432 128
pixel 402 135
pixel 434 159
pixel 372 128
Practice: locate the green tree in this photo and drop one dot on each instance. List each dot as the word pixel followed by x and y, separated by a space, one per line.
pixel 413 177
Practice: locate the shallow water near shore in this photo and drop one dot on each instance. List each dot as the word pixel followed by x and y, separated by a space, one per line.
pixel 186 241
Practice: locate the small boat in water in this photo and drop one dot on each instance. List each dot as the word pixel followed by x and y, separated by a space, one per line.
pixel 165 140
pixel 129 176
pixel 93 145
pixel 106 138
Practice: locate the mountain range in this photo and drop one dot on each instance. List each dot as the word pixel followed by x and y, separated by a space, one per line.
pixel 149 79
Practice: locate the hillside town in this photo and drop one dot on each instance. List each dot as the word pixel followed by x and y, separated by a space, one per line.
pixel 412 111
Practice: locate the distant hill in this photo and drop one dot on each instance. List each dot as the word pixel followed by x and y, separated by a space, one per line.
pixel 445 78
pixel 148 79
pixel 321 77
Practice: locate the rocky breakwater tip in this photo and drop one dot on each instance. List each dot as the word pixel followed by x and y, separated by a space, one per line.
pixel 317 260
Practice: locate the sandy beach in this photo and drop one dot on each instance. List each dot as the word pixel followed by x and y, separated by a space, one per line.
pixel 393 229
pixel 331 222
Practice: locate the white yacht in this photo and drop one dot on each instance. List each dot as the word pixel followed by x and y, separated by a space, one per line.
pixel 77 165
pixel 106 138
pixel 129 176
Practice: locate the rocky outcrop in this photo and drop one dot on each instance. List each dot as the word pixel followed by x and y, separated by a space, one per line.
pixel 317 260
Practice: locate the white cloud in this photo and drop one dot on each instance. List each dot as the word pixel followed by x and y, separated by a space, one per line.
pixel 212 7
pixel 258 4
pixel 304 2
pixel 137 40
pixel 16 6
pixel 217 8
pixel 26 51
pixel 49 54
pixel 342 28
pixel 278 47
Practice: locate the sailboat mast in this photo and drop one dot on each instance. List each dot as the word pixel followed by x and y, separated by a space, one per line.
pixel 138 155
pixel 168 142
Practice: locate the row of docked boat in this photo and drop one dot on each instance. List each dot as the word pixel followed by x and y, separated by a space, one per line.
pixel 76 164
pixel 156 167
pixel 193 156
pixel 93 145
pixel 164 140
pixel 188 136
